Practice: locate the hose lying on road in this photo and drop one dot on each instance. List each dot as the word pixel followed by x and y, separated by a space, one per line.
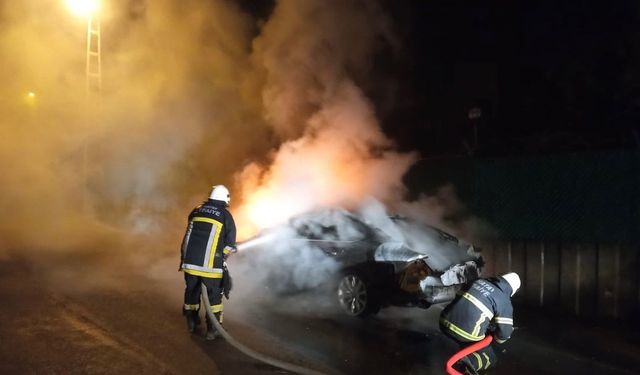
pixel 252 353
pixel 465 352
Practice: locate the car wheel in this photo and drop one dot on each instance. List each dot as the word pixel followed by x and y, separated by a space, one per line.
pixel 354 296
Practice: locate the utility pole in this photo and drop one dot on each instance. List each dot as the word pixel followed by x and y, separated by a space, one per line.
pixel 90 10
pixel 474 115
pixel 94 61
pixel 93 84
pixel 93 91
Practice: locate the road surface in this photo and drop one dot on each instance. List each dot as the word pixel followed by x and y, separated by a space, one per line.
pixel 132 325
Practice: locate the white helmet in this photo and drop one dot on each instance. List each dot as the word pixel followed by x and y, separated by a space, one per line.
pixel 514 280
pixel 220 193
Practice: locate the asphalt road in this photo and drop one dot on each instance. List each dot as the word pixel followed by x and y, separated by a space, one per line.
pixel 61 325
pixel 133 325
pixel 407 341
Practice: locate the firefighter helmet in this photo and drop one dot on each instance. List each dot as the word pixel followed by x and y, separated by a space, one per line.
pixel 514 281
pixel 220 193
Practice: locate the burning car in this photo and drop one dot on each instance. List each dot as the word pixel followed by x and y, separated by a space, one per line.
pixel 386 261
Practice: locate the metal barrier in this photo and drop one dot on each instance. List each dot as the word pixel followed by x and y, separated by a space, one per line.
pixel 583 279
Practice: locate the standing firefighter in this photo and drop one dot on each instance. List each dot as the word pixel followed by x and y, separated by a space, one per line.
pixel 209 239
pixel 484 307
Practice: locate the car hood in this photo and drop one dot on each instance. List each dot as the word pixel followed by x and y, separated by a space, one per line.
pixel 413 240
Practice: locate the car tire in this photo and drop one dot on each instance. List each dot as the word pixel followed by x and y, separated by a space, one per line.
pixel 355 297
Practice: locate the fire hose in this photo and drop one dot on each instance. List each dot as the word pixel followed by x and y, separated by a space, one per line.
pixel 249 352
pixel 465 352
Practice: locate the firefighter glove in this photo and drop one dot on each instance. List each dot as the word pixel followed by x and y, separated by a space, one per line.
pixel 227 282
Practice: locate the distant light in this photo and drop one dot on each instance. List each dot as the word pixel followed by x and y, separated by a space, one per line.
pixel 475 113
pixel 84 8
pixel 30 99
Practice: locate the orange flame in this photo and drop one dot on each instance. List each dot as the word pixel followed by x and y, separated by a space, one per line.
pixel 342 159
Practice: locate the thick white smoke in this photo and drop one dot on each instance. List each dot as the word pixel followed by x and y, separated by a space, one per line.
pixel 301 261
pixel 306 53
pixel 194 94
pixel 164 128
pixel 341 159
pixel 162 131
pixel 445 211
pixel 311 55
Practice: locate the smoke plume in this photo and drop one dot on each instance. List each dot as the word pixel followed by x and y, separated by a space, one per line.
pixel 128 158
pixel 194 94
pixel 311 56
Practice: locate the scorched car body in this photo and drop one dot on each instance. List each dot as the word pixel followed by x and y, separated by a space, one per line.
pixel 398 261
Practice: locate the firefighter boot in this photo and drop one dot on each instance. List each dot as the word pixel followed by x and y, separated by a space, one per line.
pixel 191 317
pixel 196 318
pixel 212 332
pixel 464 366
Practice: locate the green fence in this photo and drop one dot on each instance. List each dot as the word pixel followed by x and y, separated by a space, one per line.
pixel 580 197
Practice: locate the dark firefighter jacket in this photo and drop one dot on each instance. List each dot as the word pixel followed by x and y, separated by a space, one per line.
pixel 484 306
pixel 210 236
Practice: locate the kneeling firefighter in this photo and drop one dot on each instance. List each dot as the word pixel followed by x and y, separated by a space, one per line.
pixel 209 239
pixel 483 307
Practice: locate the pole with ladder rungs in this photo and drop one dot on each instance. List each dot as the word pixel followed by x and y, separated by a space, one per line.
pixel 93 93
pixel 94 63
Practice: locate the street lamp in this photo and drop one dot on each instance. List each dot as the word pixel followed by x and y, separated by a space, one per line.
pixel 84 8
pixel 90 10
pixel 30 98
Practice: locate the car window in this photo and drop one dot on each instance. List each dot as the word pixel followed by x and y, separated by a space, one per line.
pixel 315 231
pixel 333 225
pixel 445 236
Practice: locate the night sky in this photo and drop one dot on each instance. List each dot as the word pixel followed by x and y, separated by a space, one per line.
pixel 260 94
pixel 548 76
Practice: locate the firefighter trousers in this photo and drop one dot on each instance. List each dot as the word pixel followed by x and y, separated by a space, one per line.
pixel 192 294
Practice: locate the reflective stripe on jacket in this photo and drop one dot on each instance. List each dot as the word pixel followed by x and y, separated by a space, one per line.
pixel 485 303
pixel 211 229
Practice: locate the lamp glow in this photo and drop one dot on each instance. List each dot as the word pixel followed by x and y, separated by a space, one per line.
pixel 84 8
